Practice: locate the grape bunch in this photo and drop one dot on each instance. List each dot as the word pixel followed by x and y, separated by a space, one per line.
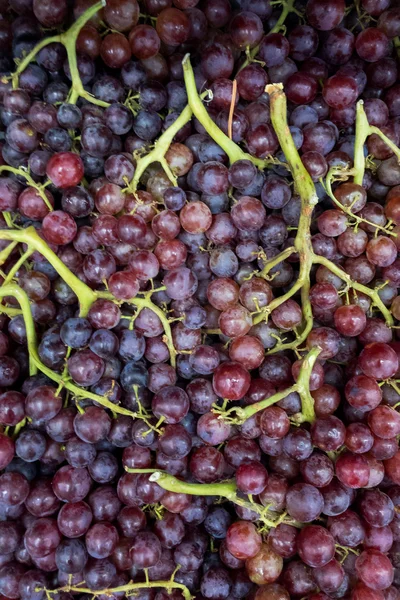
pixel 199 299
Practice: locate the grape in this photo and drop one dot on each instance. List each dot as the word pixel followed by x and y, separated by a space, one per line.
pixel 265 567
pixel 371 44
pixel 242 540
pixel 70 484
pixel 145 550
pixel 325 15
pixel 304 502
pixel 65 169
pixel 274 49
pixel 7 449
pixel 340 91
pixel 374 569
pixel 380 360
pixel 316 546
pixel 251 478
pixel 231 380
pixel 207 464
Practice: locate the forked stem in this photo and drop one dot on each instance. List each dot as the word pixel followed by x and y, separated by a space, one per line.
pixel 287 7
pixel 86 296
pixel 68 40
pixel 160 149
pixel 302 243
pixel 29 180
pixel 30 237
pixel 341 175
pixel 363 130
pixel 128 589
pixel 302 387
pixel 233 151
pixel 224 489
pixel 35 364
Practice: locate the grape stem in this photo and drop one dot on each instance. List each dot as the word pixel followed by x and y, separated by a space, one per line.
pixel 161 147
pixel 29 236
pixel 86 296
pixel 233 151
pixel 302 243
pixel 371 293
pixel 341 174
pixel 68 40
pixel 224 489
pixel 22 172
pixel 363 130
pixel 302 387
pixel 4 254
pixel 287 7
pixel 36 364
pixel 128 589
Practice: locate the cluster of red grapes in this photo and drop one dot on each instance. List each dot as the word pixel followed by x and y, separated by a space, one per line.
pixel 197 276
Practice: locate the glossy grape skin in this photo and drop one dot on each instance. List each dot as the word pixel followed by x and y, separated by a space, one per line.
pixel 265 567
pixel 65 169
pixel 379 578
pixel 380 360
pixel 325 15
pixel 304 502
pixel 231 381
pixel 312 553
pixel 242 540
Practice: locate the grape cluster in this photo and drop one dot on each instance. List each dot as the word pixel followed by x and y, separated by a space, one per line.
pixel 199 299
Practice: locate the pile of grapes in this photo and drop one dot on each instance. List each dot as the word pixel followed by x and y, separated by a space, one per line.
pixel 199 299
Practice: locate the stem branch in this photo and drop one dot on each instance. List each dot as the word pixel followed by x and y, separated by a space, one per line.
pixel 68 40
pixel 233 151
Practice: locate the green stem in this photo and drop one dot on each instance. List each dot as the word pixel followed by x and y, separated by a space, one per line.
pixel 302 180
pixel 233 151
pixel 328 187
pixel 142 303
pixel 287 7
pixel 306 190
pixel 17 266
pixel 85 294
pixel 160 148
pixel 388 142
pixel 252 409
pixel 68 39
pixel 276 260
pixel 303 387
pixel 4 254
pixel 363 130
pixel 225 489
pixel 128 589
pixel 146 302
pixel 34 359
pixel 267 310
pixel 31 182
pixel 8 219
pixel 23 300
pixel 10 311
pixel 31 56
pixel 373 294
